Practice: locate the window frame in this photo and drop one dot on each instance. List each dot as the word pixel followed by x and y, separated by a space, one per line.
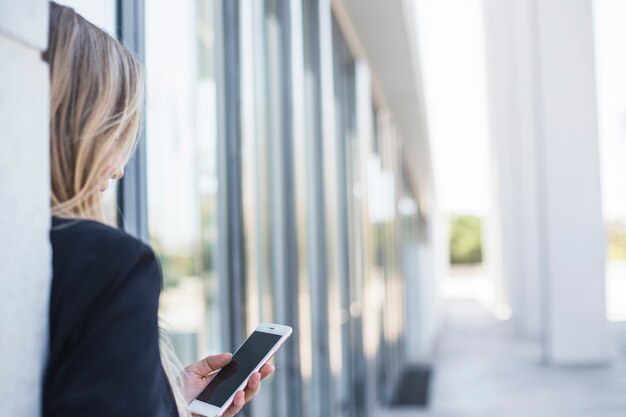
pixel 132 196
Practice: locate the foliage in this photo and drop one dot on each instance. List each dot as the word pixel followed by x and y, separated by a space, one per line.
pixel 466 245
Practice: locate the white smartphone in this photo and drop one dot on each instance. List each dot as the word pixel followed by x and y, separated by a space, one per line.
pixel 258 348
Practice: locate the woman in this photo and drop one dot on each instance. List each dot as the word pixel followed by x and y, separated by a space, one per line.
pixel 104 356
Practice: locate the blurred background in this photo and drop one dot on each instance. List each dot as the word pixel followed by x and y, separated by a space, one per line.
pixel 431 192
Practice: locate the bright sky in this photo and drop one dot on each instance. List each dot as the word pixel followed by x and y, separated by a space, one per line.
pixel 453 58
pixel 452 53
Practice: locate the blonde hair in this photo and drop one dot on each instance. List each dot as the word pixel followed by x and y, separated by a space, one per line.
pixel 96 102
pixel 173 371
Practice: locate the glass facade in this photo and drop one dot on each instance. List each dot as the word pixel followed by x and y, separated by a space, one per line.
pixel 342 212
pixel 260 60
pixel 182 183
pixel 271 181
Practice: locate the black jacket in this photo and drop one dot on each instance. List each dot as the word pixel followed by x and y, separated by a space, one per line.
pixel 104 338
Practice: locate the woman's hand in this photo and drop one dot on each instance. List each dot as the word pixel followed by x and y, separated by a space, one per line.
pixel 198 375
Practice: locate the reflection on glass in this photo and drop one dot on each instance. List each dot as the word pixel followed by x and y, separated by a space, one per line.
pixel 344 330
pixel 258 193
pixel 383 175
pixel 182 172
pixel 302 143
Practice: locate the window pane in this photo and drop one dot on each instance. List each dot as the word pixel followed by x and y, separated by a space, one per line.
pixel 182 168
pixel 342 283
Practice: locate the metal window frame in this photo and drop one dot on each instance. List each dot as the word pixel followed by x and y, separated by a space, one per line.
pixel 132 195
pixel 366 134
pixel 334 392
pixel 132 190
pixel 344 90
pixel 275 22
pixel 231 249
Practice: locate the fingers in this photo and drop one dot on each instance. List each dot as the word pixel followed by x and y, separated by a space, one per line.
pixel 254 383
pixel 266 370
pixel 209 364
pixel 238 403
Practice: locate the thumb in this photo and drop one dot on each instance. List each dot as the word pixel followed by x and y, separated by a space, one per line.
pixel 210 364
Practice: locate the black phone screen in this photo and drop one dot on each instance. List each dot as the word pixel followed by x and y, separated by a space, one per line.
pixel 230 377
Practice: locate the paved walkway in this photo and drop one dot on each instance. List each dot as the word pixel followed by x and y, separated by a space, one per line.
pixel 483 370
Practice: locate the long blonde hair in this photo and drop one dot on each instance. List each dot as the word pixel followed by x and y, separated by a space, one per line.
pixel 96 102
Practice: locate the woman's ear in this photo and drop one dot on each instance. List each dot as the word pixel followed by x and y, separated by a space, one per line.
pixel 118 174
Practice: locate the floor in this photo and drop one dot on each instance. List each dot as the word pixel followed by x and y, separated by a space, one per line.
pixel 484 370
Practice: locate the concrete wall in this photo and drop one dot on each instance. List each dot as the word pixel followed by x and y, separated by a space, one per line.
pixel 24 204
pixel 545 144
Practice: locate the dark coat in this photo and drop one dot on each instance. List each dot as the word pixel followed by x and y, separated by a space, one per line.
pixel 104 338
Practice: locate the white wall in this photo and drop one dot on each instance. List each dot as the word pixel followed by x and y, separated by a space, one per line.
pixel 24 205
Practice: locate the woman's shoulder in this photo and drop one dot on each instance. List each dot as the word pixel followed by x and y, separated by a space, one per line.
pixel 90 240
pixel 92 254
pixel 96 267
pixel 103 321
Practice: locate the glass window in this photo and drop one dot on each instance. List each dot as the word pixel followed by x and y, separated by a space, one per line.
pixel 273 191
pixel 261 128
pixel 182 169
pixel 383 179
pixel 256 144
pixel 309 173
pixel 306 220
pixel 257 187
pixel 343 283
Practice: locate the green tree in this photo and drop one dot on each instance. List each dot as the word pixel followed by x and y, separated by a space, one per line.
pixel 466 246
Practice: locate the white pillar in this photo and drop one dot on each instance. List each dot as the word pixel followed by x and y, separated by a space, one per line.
pixel 544 132
pixel 513 246
pixel 574 232
pixel 24 205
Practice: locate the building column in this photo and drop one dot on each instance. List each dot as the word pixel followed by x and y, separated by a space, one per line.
pixel 545 147
pixel 24 205
pixel 513 248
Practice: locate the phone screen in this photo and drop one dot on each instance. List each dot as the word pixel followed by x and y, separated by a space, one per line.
pixel 230 377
